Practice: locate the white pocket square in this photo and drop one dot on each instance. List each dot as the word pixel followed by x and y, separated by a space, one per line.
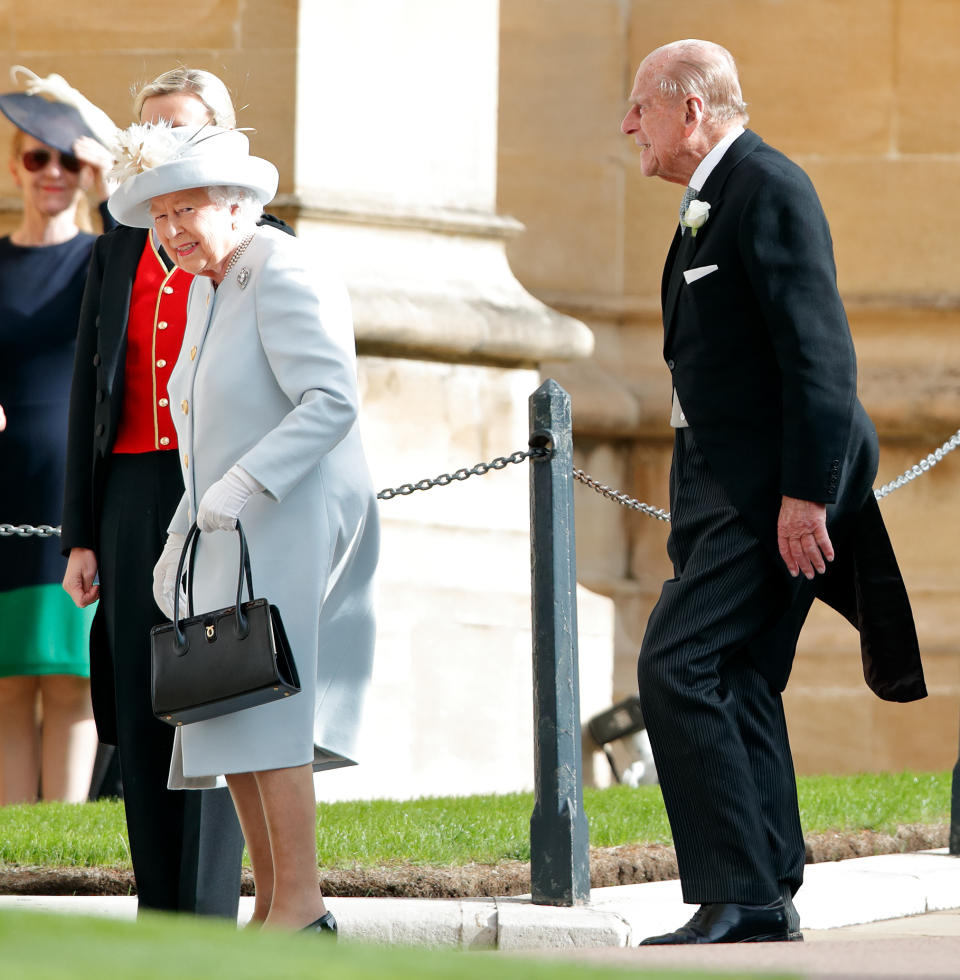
pixel 692 275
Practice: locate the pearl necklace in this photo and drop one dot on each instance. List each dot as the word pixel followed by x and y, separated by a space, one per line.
pixel 240 249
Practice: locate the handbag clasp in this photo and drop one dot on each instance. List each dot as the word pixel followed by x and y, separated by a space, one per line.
pixel 210 628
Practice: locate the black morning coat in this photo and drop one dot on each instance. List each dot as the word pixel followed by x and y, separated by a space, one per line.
pixel 96 397
pixel 763 364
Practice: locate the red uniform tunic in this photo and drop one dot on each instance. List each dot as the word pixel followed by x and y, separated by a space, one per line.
pixel 158 315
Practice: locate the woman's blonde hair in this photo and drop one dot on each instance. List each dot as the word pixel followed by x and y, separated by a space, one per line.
pixel 209 89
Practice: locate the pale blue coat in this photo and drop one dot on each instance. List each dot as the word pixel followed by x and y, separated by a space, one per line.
pixel 267 378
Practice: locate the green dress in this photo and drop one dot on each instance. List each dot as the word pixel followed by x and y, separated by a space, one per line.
pixel 41 630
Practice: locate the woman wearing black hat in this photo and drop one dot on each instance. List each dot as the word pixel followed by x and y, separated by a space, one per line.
pixel 43 266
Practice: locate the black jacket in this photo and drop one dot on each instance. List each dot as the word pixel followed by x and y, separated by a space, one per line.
pixel 96 394
pixel 763 364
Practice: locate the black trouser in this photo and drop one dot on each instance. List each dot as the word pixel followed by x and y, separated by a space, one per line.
pixel 716 725
pixel 186 845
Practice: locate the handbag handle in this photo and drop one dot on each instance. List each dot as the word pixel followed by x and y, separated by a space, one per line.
pixel 190 547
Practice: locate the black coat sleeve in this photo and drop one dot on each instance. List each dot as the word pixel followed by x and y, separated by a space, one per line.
pixel 77 522
pixel 788 257
pixel 272 221
pixel 108 221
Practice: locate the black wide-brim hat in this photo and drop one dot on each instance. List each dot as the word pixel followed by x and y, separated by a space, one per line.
pixel 55 123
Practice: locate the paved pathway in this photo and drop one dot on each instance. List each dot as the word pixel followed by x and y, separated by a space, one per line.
pixel 921 946
pixel 894 915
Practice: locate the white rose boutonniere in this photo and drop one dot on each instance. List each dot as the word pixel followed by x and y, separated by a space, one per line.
pixel 696 216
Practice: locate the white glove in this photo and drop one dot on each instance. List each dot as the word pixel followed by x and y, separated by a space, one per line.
pixel 220 506
pixel 165 574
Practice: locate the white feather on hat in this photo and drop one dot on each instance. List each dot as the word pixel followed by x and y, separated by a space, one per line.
pixel 141 147
pixel 154 159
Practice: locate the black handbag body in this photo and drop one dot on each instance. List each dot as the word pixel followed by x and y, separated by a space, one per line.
pixel 215 663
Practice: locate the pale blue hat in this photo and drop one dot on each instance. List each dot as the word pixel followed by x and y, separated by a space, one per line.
pixel 155 159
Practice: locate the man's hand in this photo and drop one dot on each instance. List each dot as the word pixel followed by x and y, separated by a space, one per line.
pixel 78 579
pixel 802 536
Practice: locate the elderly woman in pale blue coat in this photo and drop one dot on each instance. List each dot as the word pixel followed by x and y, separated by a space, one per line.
pixel 264 400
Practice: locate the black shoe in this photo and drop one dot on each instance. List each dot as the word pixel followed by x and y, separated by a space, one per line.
pixel 325 924
pixel 725 922
pixel 794 935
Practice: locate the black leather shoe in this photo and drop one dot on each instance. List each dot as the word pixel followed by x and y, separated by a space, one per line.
pixel 325 925
pixel 725 922
pixel 794 935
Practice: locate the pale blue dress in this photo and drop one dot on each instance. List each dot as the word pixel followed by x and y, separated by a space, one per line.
pixel 267 378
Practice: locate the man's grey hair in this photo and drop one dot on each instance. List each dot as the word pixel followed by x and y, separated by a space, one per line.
pixel 204 85
pixel 703 68
pixel 249 207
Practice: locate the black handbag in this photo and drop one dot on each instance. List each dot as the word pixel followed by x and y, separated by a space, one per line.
pixel 219 662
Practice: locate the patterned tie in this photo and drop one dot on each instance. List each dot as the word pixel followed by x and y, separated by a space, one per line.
pixel 688 195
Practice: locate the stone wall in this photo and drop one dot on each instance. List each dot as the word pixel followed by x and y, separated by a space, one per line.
pixel 853 90
pixel 109 48
pixel 382 118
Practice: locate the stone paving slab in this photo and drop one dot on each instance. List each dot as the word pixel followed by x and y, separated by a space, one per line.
pixel 837 895
pixel 882 958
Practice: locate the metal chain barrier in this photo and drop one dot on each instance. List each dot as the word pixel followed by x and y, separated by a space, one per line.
pixel 918 469
pixel 404 490
pixel 923 466
pixel 28 530
pixel 445 479
pixel 501 462
pixel 621 498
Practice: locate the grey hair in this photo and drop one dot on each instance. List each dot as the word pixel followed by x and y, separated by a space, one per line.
pixel 249 208
pixel 209 89
pixel 703 68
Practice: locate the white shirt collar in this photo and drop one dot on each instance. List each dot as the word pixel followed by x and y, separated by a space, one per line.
pixel 707 164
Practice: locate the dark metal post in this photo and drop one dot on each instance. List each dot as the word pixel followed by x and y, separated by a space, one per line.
pixel 559 843
pixel 955 811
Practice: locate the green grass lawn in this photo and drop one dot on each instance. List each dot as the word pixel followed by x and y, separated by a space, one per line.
pixel 450 831
pixel 55 947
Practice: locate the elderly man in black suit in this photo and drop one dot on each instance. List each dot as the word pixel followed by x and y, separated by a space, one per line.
pixel 771 498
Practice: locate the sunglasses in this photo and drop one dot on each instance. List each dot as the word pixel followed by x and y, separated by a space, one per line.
pixel 35 160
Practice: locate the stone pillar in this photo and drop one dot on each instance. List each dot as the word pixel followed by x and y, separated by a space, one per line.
pixel 382 119
pixel 395 166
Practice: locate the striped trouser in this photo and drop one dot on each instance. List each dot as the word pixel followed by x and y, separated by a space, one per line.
pixel 716 726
